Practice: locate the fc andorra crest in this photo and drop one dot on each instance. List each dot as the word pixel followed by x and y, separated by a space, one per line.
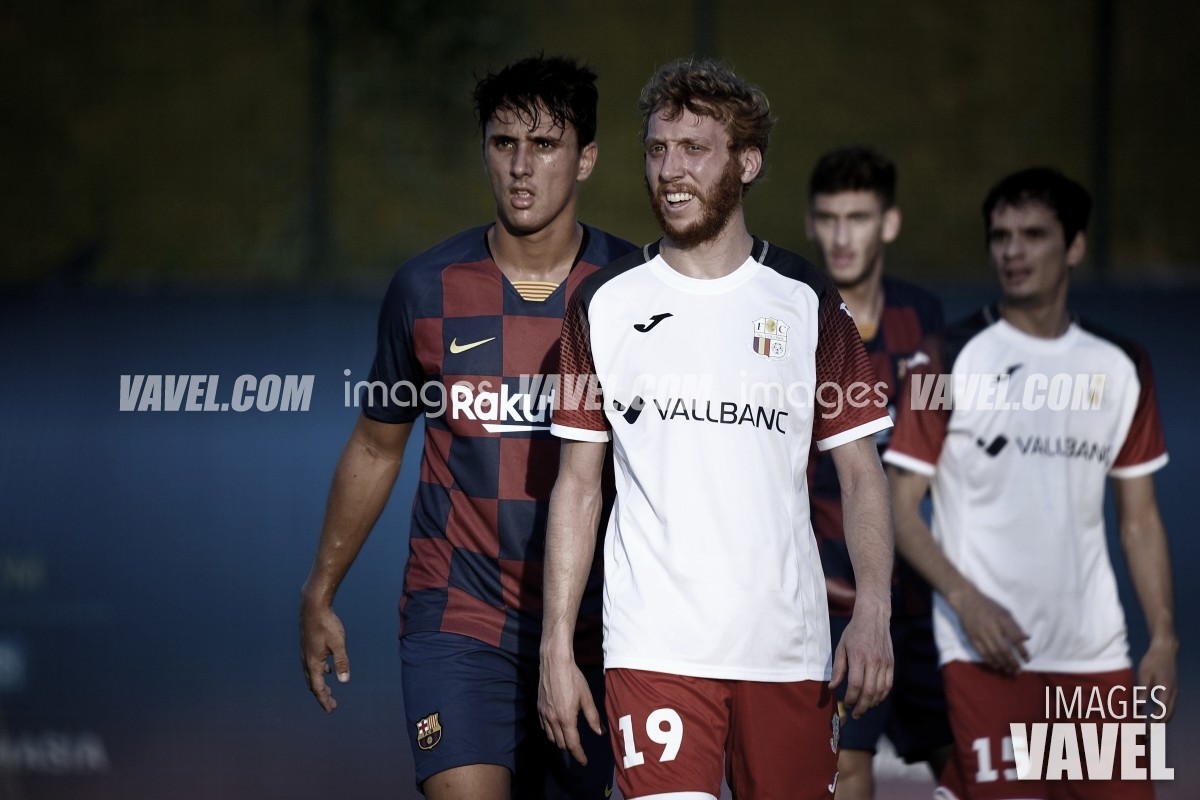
pixel 429 732
pixel 770 338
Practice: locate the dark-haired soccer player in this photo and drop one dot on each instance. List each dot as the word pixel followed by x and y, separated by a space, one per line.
pixel 853 216
pixel 471 327
pixel 1027 604
pixel 710 346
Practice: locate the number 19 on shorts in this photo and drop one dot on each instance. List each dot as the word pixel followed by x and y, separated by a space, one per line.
pixel 663 726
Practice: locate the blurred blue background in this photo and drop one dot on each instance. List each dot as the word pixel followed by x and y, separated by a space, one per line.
pixel 151 561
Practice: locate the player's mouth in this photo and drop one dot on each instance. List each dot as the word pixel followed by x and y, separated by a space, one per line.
pixel 520 197
pixel 677 200
pixel 1015 276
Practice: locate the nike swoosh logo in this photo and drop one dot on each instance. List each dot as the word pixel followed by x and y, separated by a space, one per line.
pixel 457 348
pixel 642 327
pixel 917 359
pixel 608 791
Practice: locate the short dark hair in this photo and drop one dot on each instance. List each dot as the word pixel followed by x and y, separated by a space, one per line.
pixel 853 169
pixel 709 88
pixel 564 89
pixel 1069 201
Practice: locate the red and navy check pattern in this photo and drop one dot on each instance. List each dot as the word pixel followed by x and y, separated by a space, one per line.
pixel 909 314
pixel 477 537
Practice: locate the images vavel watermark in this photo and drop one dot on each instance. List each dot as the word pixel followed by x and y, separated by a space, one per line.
pixel 1118 735
pixel 529 399
pixel 178 392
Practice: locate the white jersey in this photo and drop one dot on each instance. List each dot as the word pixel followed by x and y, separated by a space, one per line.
pixel 1018 434
pixel 712 392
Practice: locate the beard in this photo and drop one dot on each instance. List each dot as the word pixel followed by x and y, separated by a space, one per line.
pixel 716 208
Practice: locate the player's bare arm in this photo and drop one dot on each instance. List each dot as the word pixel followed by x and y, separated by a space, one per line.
pixel 1144 541
pixel 362 483
pixel 993 631
pixel 864 654
pixel 575 505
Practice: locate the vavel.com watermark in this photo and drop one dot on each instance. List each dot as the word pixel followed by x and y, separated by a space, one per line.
pixel 1014 390
pixel 177 392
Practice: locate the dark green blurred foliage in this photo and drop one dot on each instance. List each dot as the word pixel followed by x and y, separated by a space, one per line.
pixel 210 143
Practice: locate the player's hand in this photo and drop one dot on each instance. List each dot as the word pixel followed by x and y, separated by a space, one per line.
pixel 993 631
pixel 864 659
pixel 1157 668
pixel 562 693
pixel 322 637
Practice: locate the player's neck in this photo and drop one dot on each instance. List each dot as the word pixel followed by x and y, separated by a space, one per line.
pixel 544 255
pixel 716 258
pixel 864 300
pixel 1045 320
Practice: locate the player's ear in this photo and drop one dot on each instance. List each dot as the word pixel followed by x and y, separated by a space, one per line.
pixel 891 224
pixel 1077 250
pixel 809 229
pixel 587 160
pixel 752 160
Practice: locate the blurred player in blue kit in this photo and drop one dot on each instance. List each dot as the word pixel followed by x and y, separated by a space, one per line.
pixel 852 217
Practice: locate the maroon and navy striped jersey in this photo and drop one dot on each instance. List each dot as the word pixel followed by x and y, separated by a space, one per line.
pixel 460 346
pixel 909 314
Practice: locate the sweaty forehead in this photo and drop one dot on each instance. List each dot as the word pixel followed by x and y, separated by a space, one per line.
pixel 517 123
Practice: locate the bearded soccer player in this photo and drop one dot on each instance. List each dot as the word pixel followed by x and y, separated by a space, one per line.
pixel 709 346
pixel 1027 605
pixel 853 216
pixel 471 328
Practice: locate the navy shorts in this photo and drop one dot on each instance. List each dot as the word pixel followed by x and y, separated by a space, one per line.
pixel 914 714
pixel 468 702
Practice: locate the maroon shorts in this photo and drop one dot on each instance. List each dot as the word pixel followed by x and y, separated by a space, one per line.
pixel 672 733
pixel 983 702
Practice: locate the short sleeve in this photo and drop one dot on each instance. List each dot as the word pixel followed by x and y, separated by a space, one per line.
pixel 578 405
pixel 395 363
pixel 848 405
pixel 1144 450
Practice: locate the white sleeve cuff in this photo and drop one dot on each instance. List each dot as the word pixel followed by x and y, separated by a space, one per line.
pixel 909 463
pixel 578 434
pixel 858 432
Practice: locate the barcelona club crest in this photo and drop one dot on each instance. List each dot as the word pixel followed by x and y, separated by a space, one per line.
pixel 770 338
pixel 429 732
